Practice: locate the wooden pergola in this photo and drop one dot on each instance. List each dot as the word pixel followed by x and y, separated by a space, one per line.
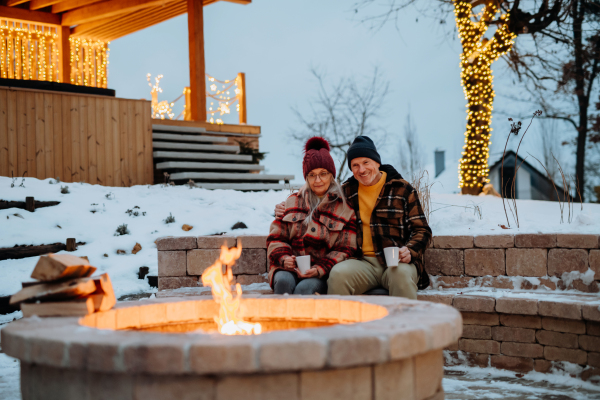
pixel 111 19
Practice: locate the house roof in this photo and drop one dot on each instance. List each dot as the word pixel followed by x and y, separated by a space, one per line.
pixel 522 161
pixel 98 19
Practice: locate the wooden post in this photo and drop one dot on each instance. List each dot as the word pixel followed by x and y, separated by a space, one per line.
pixel 241 83
pixel 30 204
pixel 64 65
pixel 71 245
pixel 197 68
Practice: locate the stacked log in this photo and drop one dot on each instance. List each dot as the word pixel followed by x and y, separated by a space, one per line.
pixel 64 286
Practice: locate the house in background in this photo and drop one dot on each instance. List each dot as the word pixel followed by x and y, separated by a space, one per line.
pixel 531 184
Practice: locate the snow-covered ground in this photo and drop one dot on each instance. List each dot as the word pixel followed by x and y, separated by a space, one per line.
pixel 92 213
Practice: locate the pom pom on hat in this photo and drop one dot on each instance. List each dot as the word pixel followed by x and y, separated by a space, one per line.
pixel 316 143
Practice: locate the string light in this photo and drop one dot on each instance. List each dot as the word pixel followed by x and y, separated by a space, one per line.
pixel 477 81
pixel 89 62
pixel 30 51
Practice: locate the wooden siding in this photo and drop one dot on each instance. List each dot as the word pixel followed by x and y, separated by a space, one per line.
pixel 95 139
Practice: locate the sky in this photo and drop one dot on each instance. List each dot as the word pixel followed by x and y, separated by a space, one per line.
pixel 276 43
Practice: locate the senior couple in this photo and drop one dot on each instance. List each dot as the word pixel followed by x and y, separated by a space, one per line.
pixel 345 228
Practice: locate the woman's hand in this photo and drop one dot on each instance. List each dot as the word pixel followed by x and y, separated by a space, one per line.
pixel 279 210
pixel 289 263
pixel 311 273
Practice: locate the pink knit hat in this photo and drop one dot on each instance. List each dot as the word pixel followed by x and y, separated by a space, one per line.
pixel 316 155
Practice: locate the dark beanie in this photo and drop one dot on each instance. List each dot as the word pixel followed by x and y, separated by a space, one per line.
pixel 362 146
pixel 316 155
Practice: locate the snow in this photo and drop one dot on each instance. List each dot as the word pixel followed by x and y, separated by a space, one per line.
pixel 92 213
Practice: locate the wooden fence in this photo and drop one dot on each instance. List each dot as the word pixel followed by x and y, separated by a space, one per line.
pixel 94 139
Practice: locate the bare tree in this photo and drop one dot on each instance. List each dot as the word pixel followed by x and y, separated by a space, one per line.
pixel 343 111
pixel 410 153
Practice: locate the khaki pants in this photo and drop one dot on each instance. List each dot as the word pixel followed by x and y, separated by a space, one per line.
pixel 357 276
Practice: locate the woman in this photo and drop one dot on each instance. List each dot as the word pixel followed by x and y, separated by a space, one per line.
pixel 316 222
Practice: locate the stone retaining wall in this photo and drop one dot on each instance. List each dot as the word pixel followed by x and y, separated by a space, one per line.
pixel 525 334
pixel 182 260
pixel 522 261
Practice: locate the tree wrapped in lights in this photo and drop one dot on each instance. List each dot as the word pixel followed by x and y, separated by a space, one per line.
pixel 476 61
pixel 477 81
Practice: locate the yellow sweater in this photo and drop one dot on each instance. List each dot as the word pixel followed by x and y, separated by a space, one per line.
pixel 367 197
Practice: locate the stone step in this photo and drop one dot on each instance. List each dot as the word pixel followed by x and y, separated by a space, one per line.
pixel 169 155
pixel 172 128
pixel 224 176
pixel 197 130
pixel 208 166
pixel 244 186
pixel 193 146
pixel 189 138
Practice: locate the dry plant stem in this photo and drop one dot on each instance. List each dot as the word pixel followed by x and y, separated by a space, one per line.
pixel 560 203
pixel 502 179
pixel 566 197
pixel 516 169
pixel 514 191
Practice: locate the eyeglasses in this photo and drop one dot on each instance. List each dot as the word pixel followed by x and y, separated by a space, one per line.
pixel 322 176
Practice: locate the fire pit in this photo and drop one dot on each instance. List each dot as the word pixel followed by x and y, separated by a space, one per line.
pixel 312 347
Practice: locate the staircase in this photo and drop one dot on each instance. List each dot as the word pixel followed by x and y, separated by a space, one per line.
pixel 211 159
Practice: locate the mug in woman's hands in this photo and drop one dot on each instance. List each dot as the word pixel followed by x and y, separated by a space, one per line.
pixel 303 263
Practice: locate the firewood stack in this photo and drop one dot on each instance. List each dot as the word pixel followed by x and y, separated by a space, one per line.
pixel 63 286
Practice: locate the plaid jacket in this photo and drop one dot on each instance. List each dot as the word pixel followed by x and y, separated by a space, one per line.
pixel 397 220
pixel 329 238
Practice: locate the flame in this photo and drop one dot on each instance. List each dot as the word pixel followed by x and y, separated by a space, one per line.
pixel 228 321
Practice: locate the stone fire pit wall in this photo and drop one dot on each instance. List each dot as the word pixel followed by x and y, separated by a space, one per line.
pixel 182 260
pixel 374 348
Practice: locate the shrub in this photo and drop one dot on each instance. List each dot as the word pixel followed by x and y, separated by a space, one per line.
pixel 170 219
pixel 122 230
pixel 64 189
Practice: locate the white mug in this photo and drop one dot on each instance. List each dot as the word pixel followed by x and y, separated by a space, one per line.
pixel 303 263
pixel 392 256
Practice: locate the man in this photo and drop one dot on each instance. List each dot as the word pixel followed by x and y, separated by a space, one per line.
pixel 389 214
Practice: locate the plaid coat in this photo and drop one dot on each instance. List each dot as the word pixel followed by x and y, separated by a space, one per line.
pixel 397 220
pixel 329 238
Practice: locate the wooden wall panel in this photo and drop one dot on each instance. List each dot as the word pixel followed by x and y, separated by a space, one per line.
pixel 95 139
pixel 57 136
pixel 4 138
pixel 30 145
pixel 11 98
pixel 67 142
pixel 48 125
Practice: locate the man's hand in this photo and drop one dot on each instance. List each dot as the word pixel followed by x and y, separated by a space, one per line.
pixel 404 255
pixel 311 273
pixel 289 263
pixel 279 209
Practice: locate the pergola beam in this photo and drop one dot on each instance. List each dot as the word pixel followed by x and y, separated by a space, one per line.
pixel 67 5
pixel 12 3
pixel 37 4
pixel 28 16
pixel 125 25
pixel 106 9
